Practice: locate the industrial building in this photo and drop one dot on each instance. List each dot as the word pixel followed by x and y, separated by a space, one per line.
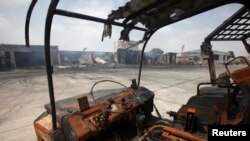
pixel 156 56
pixel 195 55
pixel 126 56
pixel 20 56
pixel 127 52
pixel 169 58
pixel 85 57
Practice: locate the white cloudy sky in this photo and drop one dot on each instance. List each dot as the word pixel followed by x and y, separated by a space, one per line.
pixel 74 34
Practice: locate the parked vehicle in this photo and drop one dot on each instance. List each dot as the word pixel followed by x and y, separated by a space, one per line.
pixel 126 113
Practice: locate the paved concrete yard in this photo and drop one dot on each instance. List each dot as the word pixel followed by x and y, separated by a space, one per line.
pixel 23 93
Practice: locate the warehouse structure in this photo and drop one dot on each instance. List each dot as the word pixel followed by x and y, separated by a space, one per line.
pixel 219 56
pixel 20 56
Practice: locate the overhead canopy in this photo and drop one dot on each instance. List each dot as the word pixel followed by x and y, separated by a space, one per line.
pixel 235 28
pixel 154 14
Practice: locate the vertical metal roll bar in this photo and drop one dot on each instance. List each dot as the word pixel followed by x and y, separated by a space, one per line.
pixel 206 50
pixel 146 37
pixel 211 66
pixel 49 68
pixel 27 22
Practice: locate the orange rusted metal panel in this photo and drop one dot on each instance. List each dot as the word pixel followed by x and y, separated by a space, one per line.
pixel 241 75
pixel 80 127
pixel 88 123
pixel 187 108
pixel 191 110
pixel 42 128
pixel 172 133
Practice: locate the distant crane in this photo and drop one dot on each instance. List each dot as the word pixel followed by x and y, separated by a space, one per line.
pixel 182 56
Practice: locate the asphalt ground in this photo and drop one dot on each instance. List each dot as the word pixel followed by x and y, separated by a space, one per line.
pixel 24 92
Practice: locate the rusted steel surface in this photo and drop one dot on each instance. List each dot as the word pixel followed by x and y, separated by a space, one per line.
pixel 93 120
pixel 172 133
pixel 206 115
pixel 185 108
pixel 77 124
pixel 238 120
pixel 43 127
pixel 82 130
pixel 207 53
pixel 241 76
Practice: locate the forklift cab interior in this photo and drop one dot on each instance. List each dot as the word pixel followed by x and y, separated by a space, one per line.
pixel 76 118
